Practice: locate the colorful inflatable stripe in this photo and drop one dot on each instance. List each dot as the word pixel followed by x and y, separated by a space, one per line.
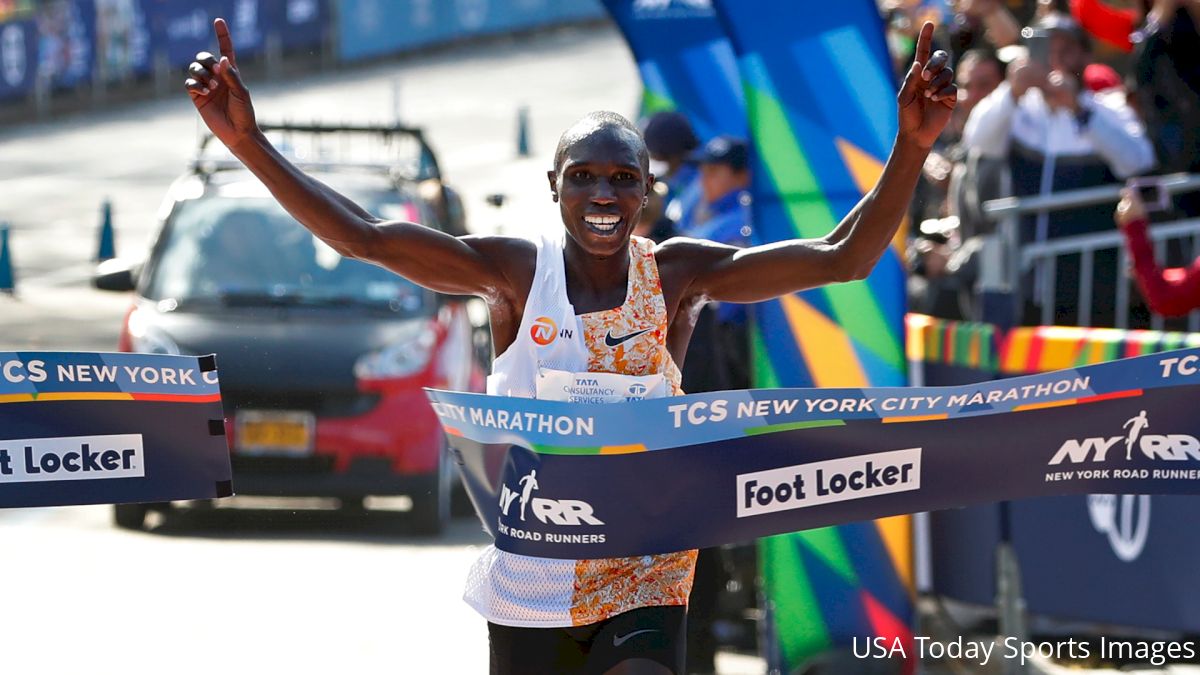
pixel 1030 349
pixel 1036 349
pixel 957 343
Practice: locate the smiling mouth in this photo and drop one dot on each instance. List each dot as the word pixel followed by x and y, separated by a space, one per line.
pixel 602 224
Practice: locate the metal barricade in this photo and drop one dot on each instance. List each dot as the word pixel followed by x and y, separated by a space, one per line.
pixel 1006 263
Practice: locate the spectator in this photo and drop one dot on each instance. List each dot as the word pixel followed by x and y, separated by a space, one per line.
pixel 1169 292
pixel 944 179
pixel 671 142
pixel 1056 136
pixel 655 225
pixel 1167 71
pixel 718 358
pixel 1040 113
pixel 724 186
pixel 980 71
pixel 973 179
pixel 719 355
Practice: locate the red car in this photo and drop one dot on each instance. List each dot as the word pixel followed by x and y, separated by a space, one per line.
pixel 322 359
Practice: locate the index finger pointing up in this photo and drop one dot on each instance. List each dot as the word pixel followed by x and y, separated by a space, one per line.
pixel 224 41
pixel 924 44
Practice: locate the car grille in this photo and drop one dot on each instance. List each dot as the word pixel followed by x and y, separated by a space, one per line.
pixel 323 404
pixel 274 464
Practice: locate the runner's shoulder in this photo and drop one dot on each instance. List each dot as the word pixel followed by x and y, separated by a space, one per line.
pixel 514 257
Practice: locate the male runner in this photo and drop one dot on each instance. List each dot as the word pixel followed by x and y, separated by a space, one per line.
pixel 1135 424
pixel 637 302
pixel 528 485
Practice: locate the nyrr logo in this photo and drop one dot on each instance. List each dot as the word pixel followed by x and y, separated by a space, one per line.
pixel 545 330
pixel 549 511
pixel 1168 447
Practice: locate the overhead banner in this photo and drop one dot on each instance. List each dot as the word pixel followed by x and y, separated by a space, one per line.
pixel 367 28
pixel 563 480
pixel 86 428
pixel 686 63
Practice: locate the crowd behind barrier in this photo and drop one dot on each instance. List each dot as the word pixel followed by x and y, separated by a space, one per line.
pixel 1060 104
pixel 52 46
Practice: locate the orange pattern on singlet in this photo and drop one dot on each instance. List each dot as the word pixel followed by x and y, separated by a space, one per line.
pixel 609 586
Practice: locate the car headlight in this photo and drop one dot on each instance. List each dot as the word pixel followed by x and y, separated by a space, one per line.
pixel 148 339
pixel 407 357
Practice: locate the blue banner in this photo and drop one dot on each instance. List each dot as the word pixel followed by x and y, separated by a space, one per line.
pixel 84 428
pixel 301 24
pixel 560 480
pixel 184 29
pixel 369 28
pixel 686 63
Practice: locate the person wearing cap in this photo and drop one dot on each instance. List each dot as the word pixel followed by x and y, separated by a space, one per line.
pixel 724 187
pixel 724 217
pixel 672 142
pixel 1057 136
pixel 720 356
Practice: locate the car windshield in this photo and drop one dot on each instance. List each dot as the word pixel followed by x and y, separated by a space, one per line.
pixel 248 250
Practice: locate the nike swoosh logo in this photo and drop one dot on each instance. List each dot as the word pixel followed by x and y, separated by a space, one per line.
pixel 616 341
pixel 619 640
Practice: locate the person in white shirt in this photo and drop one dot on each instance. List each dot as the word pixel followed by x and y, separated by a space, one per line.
pixel 1040 109
pixel 1056 136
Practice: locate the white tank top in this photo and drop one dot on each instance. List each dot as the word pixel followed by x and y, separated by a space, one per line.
pixel 549 335
pixel 526 591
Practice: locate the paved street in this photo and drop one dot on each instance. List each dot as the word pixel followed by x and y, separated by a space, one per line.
pixel 261 591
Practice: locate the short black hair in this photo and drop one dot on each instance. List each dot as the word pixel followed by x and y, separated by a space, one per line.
pixel 984 55
pixel 592 123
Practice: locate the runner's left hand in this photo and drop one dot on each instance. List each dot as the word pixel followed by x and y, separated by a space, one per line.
pixel 928 94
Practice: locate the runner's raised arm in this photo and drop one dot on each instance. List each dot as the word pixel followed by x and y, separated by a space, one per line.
pixel 424 255
pixel 850 251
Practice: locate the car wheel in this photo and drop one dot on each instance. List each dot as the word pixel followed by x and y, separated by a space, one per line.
pixel 130 516
pixel 431 503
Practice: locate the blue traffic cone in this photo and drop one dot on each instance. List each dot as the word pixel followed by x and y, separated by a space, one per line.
pixel 108 244
pixel 7 282
pixel 523 131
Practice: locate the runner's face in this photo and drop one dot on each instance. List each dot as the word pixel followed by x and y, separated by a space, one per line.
pixel 601 187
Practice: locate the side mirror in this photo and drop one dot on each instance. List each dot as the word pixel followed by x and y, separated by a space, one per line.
pixel 116 275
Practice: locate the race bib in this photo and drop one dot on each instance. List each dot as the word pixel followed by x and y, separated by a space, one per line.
pixel 561 385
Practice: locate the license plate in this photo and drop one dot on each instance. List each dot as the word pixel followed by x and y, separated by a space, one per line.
pixel 283 432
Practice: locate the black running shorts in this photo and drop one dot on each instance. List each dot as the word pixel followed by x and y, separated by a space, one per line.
pixel 654 633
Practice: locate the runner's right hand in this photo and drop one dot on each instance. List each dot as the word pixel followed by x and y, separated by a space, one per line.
pixel 218 93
